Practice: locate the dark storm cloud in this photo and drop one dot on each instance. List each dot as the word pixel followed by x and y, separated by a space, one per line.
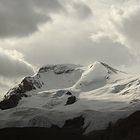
pixel 19 18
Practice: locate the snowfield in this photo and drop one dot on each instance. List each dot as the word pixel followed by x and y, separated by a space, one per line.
pixel 99 93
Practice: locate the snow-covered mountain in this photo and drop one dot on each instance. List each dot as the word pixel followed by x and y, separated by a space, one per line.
pixel 98 93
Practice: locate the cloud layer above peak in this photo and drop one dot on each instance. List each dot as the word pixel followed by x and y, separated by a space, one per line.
pixel 21 18
pixel 40 32
pixel 122 24
pixel 13 65
pixel 77 27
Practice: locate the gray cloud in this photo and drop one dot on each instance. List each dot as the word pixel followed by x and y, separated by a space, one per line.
pixel 82 10
pixel 5 84
pixel 123 25
pixel 12 65
pixel 67 40
pixel 129 26
pixel 19 18
pixel 75 47
pixel 48 5
pixel 113 53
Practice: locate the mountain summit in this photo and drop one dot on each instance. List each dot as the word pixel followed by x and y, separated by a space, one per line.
pixel 96 94
pixel 97 75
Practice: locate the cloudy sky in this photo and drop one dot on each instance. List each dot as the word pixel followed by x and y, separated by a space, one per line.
pixel 38 32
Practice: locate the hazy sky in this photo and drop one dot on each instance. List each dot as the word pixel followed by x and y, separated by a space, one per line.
pixel 38 32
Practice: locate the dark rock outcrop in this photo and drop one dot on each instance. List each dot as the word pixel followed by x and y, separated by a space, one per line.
pixel 71 100
pixel 57 69
pixel 76 124
pixel 14 95
pixel 12 101
pixel 68 93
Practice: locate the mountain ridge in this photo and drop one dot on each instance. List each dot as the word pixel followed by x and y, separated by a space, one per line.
pixel 58 93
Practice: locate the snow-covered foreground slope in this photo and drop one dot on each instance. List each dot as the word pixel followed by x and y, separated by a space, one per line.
pixel 99 93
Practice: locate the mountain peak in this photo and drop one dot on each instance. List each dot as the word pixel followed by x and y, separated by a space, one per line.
pixel 104 65
pixel 59 93
pixel 61 76
pixel 97 75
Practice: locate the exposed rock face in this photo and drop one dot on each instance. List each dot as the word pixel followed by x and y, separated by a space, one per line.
pixel 14 95
pixel 68 93
pixel 53 103
pixel 71 100
pixel 58 69
pixel 12 101
pixel 76 123
pixel 110 69
pixel 60 93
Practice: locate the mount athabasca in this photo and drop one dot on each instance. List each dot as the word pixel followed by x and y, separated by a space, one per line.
pixel 83 98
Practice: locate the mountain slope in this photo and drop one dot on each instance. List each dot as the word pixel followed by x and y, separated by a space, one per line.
pixel 98 75
pixel 48 77
pixel 123 129
pixel 58 93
